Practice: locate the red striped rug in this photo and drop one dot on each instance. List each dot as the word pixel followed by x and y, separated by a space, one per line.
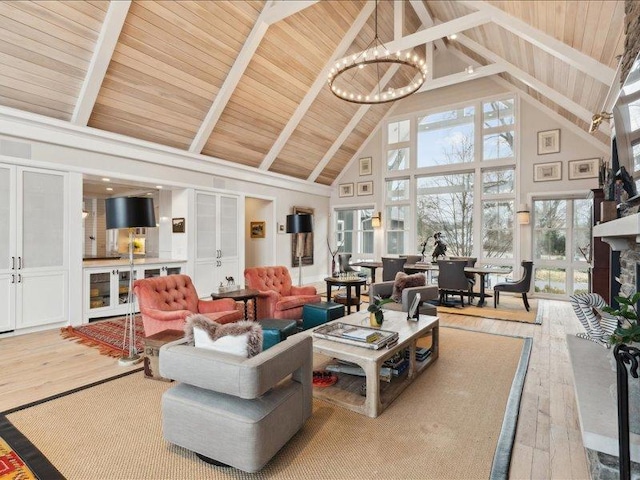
pixel 106 335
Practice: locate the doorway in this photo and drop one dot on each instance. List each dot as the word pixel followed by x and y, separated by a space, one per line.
pixel 260 232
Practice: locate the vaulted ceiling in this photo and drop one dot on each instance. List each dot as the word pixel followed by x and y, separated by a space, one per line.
pixel 245 81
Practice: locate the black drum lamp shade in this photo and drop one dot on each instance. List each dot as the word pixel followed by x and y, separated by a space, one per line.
pixel 299 223
pixel 130 212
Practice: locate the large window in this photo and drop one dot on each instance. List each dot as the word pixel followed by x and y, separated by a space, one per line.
pixel 461 182
pixel 354 233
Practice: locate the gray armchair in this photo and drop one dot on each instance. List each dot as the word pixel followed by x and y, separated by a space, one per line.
pixel 385 289
pixel 452 280
pixel 236 411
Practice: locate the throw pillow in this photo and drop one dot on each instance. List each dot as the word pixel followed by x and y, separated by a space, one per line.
pixel 403 281
pixel 237 338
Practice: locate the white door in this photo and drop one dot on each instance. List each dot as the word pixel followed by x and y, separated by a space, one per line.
pixel 206 247
pixel 42 282
pixel 8 254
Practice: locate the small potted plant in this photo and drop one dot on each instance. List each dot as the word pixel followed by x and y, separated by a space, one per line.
pixel 629 330
pixel 376 314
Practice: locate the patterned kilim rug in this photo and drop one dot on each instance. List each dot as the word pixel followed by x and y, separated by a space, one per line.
pixel 510 308
pixel 454 421
pixel 106 335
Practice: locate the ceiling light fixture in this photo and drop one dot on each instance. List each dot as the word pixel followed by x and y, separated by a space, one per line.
pixel 453 36
pixel 372 62
pixel 596 120
pixel 469 69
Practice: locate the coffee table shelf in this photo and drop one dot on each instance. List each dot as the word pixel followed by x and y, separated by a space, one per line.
pixel 379 394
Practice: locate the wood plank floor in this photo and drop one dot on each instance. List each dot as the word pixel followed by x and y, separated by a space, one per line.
pixel 548 439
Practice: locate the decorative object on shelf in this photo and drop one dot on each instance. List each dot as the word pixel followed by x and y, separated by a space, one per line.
pixel 547 172
pixel 345 190
pixel 365 188
pixel 130 213
pixel 549 142
pixel 349 76
pixel 302 225
pixel 258 229
pixel 177 225
pixel 439 248
pixel 523 214
pixel 376 220
pixel 588 168
pixel 365 166
pixel 376 313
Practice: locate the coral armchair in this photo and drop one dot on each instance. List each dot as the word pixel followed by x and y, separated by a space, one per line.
pixel 166 302
pixel 278 297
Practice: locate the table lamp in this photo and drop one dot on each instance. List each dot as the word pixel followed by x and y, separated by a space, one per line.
pixel 130 213
pixel 299 223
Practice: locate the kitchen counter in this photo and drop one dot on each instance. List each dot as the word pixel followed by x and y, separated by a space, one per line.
pixel 125 262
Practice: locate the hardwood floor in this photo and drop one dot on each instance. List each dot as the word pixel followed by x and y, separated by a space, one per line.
pixel 548 440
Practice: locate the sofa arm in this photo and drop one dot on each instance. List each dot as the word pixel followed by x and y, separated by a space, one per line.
pixel 426 293
pixel 242 377
pixel 380 289
pixel 165 315
pixel 214 306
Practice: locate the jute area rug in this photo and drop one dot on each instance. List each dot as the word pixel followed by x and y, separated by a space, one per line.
pixel 447 424
pixel 510 308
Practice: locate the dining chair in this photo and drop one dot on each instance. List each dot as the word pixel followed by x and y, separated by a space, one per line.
pixel 344 260
pixel 521 286
pixel 452 280
pixel 391 266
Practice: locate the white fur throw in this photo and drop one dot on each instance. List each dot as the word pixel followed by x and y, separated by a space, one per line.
pixel 239 338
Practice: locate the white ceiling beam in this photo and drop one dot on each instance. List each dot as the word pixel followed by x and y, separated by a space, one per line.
pixel 428 55
pixel 438 31
pixel 317 86
pixel 351 125
pixel 462 77
pixel 552 94
pixel 555 47
pixel 426 19
pixel 398 19
pixel 614 91
pixel 285 8
pixel 102 53
pixel 231 81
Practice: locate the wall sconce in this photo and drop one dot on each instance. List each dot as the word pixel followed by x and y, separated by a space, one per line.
pixel 376 220
pixel 523 214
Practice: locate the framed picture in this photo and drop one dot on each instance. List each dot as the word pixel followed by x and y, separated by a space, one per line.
pixel 546 172
pixel 365 188
pixel 177 225
pixel 365 166
pixel 257 229
pixel 588 168
pixel 549 142
pixel 346 190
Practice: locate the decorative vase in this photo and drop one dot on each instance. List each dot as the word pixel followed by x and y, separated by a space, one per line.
pixel 374 321
pixel 333 267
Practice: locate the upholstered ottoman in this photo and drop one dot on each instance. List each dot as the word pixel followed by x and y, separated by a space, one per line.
pixel 275 330
pixel 314 314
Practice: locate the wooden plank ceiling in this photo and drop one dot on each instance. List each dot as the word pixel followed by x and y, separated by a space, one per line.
pixel 172 59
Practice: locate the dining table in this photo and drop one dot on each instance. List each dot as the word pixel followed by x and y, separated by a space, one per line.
pixel 371 265
pixel 481 271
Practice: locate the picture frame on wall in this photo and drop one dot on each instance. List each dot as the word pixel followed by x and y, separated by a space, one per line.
pixel 549 142
pixel 365 188
pixel 258 229
pixel 177 225
pixel 547 172
pixel 587 168
pixel 345 190
pixel 365 166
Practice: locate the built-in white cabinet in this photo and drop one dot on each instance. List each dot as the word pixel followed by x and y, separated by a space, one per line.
pixel 34 273
pixel 217 240
pixel 107 288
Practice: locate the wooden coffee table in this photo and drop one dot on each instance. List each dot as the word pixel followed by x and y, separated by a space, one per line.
pixel 346 392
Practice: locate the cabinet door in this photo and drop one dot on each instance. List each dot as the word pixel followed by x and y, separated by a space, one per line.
pixel 227 268
pixel 99 288
pixel 42 292
pixel 228 227
pixel 206 223
pixel 7 248
pixel 204 277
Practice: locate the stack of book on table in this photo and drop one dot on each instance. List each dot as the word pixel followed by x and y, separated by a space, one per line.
pixel 373 338
pixel 342 366
pixel 422 353
pixel 398 363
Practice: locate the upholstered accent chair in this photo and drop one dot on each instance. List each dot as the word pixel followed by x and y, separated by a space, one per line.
pixel 278 298
pixel 452 280
pixel 385 290
pixel 233 410
pixel 344 260
pixel 521 286
pixel 166 302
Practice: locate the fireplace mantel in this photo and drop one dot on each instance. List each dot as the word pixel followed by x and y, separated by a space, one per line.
pixel 620 232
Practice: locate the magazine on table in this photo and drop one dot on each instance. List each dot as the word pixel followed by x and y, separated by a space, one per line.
pixel 367 337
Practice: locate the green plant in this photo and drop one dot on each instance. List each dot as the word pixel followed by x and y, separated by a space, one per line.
pixel 376 307
pixel 627 311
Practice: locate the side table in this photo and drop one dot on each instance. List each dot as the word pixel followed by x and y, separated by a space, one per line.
pixel 245 295
pixel 152 345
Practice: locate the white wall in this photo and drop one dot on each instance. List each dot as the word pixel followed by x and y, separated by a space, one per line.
pixel 259 251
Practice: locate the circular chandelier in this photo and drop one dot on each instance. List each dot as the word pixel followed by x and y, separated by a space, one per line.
pixel 344 82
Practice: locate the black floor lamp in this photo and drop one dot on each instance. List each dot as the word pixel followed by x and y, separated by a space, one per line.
pixel 299 224
pixel 130 213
